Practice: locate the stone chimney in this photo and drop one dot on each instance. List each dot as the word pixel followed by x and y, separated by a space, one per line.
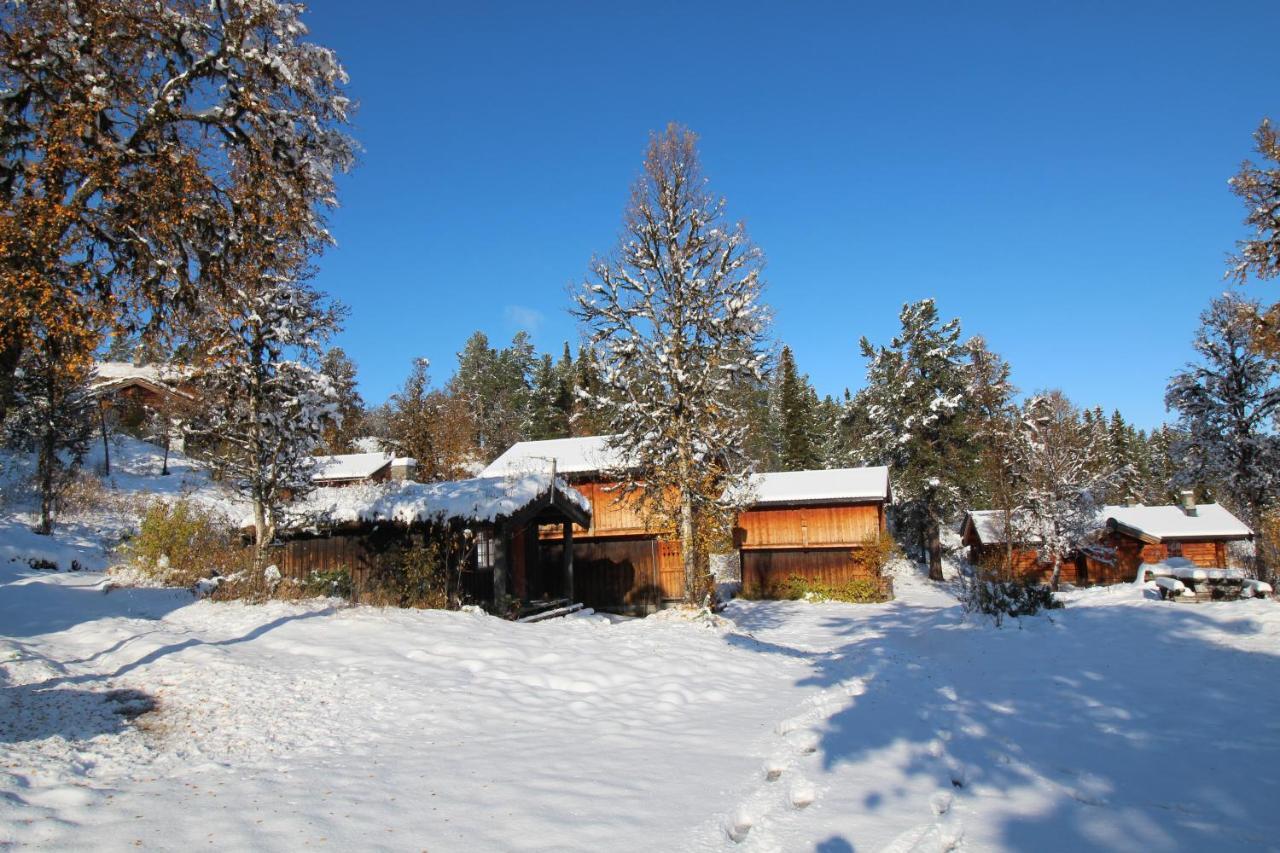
pixel 1188 501
pixel 404 468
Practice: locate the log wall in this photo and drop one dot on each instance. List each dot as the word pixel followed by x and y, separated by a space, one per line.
pixel 618 575
pixel 765 570
pixel 810 526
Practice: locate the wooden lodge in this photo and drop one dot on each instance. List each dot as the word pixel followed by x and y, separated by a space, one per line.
pixel 1129 536
pixel 621 563
pixel 811 524
pixel 364 528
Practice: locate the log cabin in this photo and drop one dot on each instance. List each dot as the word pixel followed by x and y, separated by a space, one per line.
pixel 986 533
pixel 811 524
pixel 130 394
pixel 363 528
pixel 1150 534
pixel 622 563
pixel 1129 536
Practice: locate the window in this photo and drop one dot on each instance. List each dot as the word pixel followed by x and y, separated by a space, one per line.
pixel 484 549
pixel 1173 549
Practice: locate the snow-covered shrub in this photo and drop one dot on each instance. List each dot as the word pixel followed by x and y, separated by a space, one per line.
pixel 179 543
pixel 331 584
pixel 998 599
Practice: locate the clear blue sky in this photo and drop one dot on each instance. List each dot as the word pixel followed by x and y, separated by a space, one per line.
pixel 1054 174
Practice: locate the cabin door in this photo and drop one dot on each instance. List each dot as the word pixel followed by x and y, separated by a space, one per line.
pixel 670 570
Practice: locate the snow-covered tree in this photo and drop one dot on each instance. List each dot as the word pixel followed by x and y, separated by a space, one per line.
pixel 1259 255
pixel 494 384
pixel 124 127
pixel 53 417
pixel 917 406
pixel 675 318
pixel 1227 404
pixel 341 371
pixel 1061 494
pixel 550 401
pixel 267 408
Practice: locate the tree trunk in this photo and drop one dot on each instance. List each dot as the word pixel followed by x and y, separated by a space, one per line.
pixel 1057 572
pixel 933 546
pixel 106 447
pixel 260 526
pixel 10 356
pixel 688 549
pixel 164 465
pixel 48 458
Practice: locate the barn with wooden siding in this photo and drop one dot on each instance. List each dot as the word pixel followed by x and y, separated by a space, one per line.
pixel 364 528
pixel 621 563
pixel 811 524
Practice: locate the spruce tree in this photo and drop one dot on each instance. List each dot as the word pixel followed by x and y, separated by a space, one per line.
pixel 792 415
pixel 341 371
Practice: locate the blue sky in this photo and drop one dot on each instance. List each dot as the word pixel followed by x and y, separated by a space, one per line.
pixel 1052 173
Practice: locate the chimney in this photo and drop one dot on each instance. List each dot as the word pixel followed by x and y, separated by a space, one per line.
pixel 1188 501
pixel 404 468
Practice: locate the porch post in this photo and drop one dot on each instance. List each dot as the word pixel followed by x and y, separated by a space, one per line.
pixel 499 563
pixel 566 559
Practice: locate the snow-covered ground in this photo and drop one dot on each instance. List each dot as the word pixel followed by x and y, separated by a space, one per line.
pixel 1124 723
pixel 143 718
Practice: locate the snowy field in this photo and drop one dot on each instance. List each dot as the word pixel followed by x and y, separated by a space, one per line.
pixel 1124 723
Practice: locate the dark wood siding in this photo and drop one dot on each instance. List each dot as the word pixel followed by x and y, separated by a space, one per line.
pixel 610 574
pixel 765 570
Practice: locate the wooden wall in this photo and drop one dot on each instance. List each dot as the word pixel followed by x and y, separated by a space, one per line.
pixel 612 514
pixel 810 526
pixel 764 569
pixel 611 574
pixel 1026 564
pixel 1131 553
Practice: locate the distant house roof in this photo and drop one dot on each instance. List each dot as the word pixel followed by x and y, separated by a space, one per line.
pixel 1158 523
pixel 479 499
pixel 349 466
pixel 585 455
pixel 110 376
pixel 829 486
pixel 991 526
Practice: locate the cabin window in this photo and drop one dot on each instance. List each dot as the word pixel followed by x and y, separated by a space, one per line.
pixel 484 550
pixel 1173 549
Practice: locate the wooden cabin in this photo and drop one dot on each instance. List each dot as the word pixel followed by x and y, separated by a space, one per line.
pixel 1150 534
pixel 364 528
pixel 811 524
pixel 131 393
pixel 621 563
pixel 986 533
pixel 1129 536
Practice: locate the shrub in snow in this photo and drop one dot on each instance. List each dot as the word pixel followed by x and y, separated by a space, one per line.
pixel 798 588
pixel 180 543
pixel 998 599
pixel 423 575
pixel 331 584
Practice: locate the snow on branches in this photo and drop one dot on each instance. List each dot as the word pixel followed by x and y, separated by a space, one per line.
pixel 676 321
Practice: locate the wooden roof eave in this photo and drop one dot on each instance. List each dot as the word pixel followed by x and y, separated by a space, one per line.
pixel 552 499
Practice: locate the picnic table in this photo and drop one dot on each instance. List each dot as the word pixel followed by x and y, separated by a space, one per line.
pixel 1178 579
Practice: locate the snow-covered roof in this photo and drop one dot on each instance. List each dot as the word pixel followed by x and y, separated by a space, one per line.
pixel 349 466
pixel 585 455
pixel 992 525
pixel 111 372
pixel 1211 521
pixel 836 484
pixel 476 499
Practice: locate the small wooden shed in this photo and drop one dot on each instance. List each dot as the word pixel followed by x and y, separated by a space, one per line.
pixel 987 533
pixel 621 562
pixel 360 528
pixel 1199 533
pixel 811 524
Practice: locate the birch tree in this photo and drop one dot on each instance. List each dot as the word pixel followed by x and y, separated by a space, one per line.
pixel 674 315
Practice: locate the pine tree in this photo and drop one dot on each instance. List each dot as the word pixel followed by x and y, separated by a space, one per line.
pixel 495 386
pixel 549 402
pixel 917 406
pixel 1227 405
pixel 341 372
pixel 1120 458
pixel 792 413
pixel 675 318
pixel 1259 187
pixel 52 416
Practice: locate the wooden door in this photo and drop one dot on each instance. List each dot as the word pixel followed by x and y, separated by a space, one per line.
pixel 670 570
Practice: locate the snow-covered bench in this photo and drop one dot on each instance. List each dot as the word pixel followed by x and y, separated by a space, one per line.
pixel 1256 588
pixel 1179 579
pixel 1172 587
